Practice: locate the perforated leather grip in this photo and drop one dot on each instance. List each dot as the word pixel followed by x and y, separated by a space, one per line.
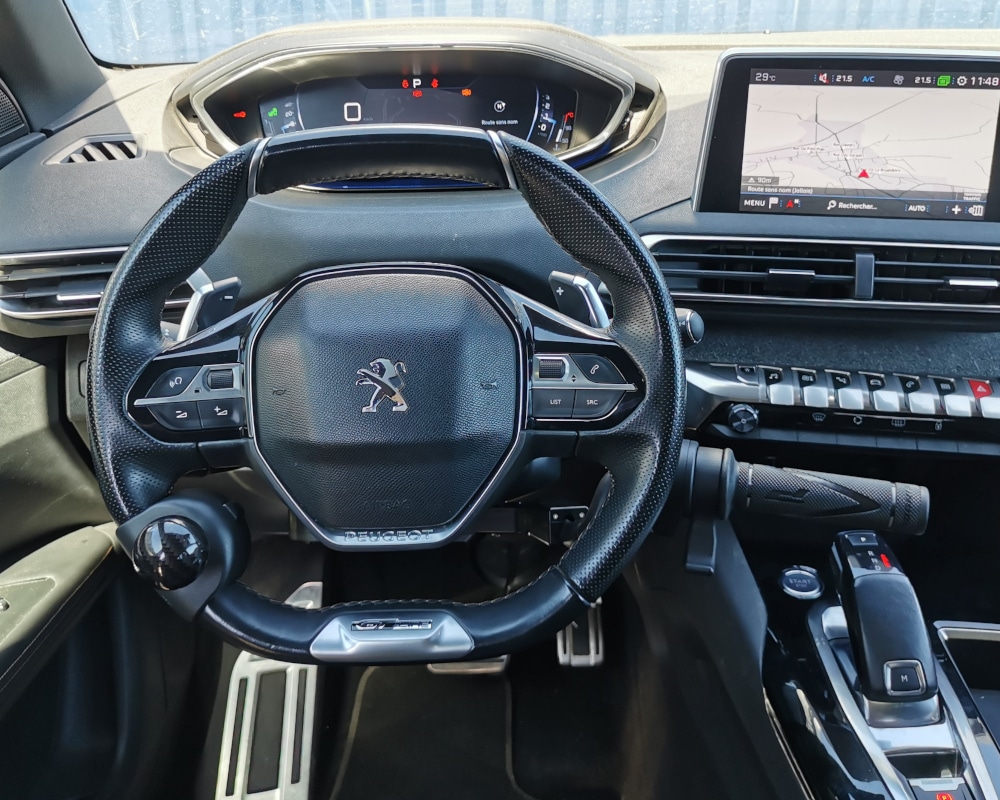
pixel 840 502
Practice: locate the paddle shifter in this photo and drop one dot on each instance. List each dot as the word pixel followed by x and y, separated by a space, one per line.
pixel 892 651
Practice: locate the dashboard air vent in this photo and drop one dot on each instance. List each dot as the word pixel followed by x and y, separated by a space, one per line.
pixel 105 148
pixel 62 285
pixel 830 273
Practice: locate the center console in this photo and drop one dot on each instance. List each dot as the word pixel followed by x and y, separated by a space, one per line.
pixel 820 405
pixel 870 698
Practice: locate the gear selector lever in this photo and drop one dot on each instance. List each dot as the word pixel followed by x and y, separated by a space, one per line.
pixel 892 649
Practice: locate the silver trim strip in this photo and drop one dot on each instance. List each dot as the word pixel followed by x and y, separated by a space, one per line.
pixel 27 259
pixel 437 636
pixel 501 152
pixel 818 622
pixel 622 82
pixel 254 167
pixel 24 259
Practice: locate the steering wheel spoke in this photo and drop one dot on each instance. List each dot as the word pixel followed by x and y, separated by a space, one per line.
pixel 581 379
pixel 195 390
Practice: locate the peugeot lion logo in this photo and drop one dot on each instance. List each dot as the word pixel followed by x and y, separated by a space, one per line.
pixel 387 378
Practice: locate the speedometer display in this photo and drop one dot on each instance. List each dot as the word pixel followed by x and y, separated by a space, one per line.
pixel 541 113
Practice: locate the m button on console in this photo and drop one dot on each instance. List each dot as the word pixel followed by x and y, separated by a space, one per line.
pixel 552 403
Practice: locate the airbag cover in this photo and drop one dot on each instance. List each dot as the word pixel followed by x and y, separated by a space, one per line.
pixel 385 399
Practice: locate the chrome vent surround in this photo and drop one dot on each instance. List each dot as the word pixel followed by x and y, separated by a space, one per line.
pixel 103 148
pixel 62 284
pixel 830 273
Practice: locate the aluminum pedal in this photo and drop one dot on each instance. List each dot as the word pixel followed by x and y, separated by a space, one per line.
pixel 259 760
pixel 581 643
pixel 486 666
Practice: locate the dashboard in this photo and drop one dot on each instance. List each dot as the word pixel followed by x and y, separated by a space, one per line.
pixel 831 207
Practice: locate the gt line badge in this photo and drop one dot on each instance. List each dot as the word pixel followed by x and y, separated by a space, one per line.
pixel 387 378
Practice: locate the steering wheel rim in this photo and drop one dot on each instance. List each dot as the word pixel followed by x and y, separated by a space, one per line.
pixel 136 471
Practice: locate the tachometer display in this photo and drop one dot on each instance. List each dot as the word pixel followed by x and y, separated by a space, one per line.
pixel 541 113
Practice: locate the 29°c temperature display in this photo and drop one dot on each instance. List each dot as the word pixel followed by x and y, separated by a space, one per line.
pixel 541 113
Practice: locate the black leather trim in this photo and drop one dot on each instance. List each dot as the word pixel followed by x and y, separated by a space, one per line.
pixel 400 152
pixel 135 470
pixel 643 451
pixel 271 629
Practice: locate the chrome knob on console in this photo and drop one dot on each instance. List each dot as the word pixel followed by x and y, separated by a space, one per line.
pixel 743 418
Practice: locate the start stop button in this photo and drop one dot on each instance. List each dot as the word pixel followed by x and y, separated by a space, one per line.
pixel 802 583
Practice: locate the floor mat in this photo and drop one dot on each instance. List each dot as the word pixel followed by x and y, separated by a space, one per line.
pixel 419 736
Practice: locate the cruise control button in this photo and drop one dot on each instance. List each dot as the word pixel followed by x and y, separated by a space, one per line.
pixel 552 403
pixel 595 403
pixel 885 400
pixel 176 416
pixel 598 369
pixel 172 382
pixel 224 413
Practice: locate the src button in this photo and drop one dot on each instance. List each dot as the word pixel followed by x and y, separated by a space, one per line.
pixel 595 403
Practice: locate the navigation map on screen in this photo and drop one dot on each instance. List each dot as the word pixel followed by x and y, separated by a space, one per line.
pixel 882 143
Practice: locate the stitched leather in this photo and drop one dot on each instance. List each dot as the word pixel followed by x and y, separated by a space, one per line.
pixel 134 470
pixel 642 452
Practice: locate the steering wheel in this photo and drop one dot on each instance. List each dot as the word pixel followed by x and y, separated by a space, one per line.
pixel 388 404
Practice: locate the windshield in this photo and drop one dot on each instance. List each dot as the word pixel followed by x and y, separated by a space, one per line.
pixel 171 31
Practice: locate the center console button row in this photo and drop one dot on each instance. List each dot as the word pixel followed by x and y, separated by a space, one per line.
pixel 848 396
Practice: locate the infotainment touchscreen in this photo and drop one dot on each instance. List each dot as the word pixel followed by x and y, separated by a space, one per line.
pixel 842 139
pixel 880 143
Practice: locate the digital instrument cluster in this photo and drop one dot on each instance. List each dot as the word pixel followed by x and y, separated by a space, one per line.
pixel 541 112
